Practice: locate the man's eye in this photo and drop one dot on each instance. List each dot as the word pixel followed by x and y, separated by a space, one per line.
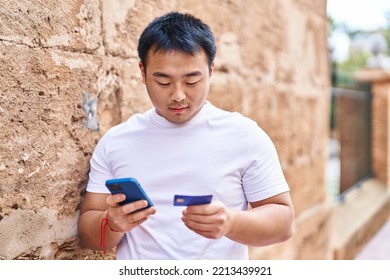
pixel 193 84
pixel 163 84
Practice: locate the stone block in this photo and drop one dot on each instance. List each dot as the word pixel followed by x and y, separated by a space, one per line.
pixel 68 25
pixel 44 138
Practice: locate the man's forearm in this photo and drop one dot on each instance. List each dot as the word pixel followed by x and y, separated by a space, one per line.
pixel 262 226
pixel 89 226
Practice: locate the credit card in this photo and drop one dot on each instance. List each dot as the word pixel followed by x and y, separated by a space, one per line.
pixel 187 200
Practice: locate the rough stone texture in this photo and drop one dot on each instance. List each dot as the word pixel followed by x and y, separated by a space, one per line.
pixel 56 56
pixel 69 25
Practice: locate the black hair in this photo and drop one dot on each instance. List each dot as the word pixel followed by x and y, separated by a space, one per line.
pixel 176 31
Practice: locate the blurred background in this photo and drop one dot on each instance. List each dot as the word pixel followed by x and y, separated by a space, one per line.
pixel 359 40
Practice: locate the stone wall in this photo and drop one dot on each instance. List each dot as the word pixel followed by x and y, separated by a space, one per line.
pixel 59 57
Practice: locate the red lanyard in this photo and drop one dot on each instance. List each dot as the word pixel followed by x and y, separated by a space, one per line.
pixel 103 225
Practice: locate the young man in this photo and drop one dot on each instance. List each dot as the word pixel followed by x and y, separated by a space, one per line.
pixel 186 146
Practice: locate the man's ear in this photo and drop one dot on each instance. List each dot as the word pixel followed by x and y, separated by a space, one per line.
pixel 211 69
pixel 143 71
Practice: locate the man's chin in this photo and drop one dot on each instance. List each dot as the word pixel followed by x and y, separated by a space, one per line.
pixel 179 118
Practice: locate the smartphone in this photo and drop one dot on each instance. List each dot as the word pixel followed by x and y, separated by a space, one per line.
pixel 131 188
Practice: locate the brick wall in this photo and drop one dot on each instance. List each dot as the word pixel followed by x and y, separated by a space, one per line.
pixel 380 130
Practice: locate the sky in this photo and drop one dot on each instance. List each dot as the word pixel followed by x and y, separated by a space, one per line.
pixel 365 15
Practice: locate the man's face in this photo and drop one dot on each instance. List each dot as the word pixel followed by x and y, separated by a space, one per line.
pixel 177 83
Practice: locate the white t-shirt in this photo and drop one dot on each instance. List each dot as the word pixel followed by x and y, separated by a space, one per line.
pixel 217 152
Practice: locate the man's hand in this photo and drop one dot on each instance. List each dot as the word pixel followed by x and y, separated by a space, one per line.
pixel 124 218
pixel 209 220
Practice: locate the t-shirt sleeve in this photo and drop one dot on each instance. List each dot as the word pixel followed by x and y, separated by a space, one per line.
pixel 263 178
pixel 99 168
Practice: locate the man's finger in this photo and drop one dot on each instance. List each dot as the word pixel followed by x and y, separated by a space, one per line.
pixel 113 200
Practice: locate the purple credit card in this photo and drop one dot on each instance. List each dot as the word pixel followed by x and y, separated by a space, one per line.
pixel 187 200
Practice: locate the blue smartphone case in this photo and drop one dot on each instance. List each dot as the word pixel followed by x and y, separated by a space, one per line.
pixel 131 188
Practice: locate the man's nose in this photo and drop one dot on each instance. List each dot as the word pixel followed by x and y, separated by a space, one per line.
pixel 178 93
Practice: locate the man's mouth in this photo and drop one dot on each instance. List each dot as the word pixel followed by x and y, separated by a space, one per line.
pixel 178 109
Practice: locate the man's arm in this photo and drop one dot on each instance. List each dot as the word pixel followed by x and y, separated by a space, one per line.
pixel 97 206
pixel 267 222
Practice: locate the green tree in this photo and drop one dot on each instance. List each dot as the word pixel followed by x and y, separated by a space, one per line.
pixel 386 32
pixel 356 61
